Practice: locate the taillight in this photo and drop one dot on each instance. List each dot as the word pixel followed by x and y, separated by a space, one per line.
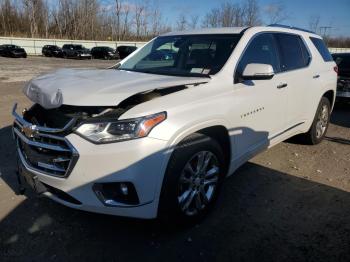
pixel 336 69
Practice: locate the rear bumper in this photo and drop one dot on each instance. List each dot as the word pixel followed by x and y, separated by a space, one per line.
pixel 342 94
pixel 83 56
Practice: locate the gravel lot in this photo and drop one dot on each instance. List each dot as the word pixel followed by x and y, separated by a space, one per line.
pixel 291 203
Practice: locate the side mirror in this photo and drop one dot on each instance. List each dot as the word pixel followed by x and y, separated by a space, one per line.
pixel 258 72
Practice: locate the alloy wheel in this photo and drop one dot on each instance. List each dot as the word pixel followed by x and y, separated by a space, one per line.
pixel 198 182
pixel 322 121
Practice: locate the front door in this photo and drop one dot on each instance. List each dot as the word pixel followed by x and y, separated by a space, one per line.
pixel 262 109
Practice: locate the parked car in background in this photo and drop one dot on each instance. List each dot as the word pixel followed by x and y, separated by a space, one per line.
pixel 125 50
pixel 155 137
pixel 162 54
pixel 104 52
pixel 52 50
pixel 343 87
pixel 75 51
pixel 12 51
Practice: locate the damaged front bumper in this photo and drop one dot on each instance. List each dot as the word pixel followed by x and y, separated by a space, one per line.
pixel 70 167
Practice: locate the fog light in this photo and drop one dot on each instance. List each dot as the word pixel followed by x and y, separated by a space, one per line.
pixel 124 189
pixel 116 193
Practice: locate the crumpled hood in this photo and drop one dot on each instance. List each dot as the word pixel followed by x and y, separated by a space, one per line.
pixel 96 87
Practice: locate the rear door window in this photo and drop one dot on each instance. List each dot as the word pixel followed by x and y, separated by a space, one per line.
pixel 291 52
pixel 322 49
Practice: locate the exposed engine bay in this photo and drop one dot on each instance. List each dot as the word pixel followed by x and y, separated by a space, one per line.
pixel 59 117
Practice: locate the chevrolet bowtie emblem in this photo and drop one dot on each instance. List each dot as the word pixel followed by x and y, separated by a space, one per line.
pixel 29 131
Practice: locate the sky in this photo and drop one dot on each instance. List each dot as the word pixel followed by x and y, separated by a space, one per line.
pixel 334 13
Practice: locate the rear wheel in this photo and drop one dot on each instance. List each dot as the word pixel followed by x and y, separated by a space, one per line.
pixel 192 180
pixel 320 124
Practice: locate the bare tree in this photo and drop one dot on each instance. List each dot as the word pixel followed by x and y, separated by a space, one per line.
pixel 156 20
pixel 139 11
pixel 314 23
pixel 231 14
pixel 32 9
pixel 211 19
pixel 118 12
pixel 126 28
pixel 276 13
pixel 181 23
pixel 194 21
pixel 251 13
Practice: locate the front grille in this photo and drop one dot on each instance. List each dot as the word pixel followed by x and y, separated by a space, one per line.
pixel 45 153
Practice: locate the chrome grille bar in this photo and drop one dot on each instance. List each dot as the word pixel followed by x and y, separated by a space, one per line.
pixel 38 144
pixel 44 151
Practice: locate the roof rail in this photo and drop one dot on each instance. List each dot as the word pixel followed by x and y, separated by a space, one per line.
pixel 291 27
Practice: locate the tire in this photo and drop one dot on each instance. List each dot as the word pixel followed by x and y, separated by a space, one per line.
pixel 182 196
pixel 320 123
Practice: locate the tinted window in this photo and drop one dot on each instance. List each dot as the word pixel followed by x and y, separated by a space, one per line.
pixel 291 54
pixel 322 49
pixel 262 50
pixel 77 47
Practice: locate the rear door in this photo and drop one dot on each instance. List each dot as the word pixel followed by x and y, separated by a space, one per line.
pixel 297 75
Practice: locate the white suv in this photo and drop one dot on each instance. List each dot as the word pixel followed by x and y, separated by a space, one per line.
pixel 157 134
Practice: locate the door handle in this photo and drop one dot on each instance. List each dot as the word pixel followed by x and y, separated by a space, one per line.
pixel 282 85
pixel 316 76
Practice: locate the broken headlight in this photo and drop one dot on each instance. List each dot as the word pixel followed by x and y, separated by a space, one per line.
pixel 120 130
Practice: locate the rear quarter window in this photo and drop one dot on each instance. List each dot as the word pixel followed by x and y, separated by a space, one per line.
pixel 322 49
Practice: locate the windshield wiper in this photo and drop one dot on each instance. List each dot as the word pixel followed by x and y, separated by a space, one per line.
pixel 168 73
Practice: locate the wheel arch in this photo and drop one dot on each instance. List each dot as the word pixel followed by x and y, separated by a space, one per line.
pixel 330 95
pixel 216 130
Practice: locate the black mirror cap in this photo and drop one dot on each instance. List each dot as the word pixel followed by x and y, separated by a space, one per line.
pixel 258 77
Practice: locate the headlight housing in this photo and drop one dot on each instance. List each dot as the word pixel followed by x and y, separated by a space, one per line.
pixel 120 130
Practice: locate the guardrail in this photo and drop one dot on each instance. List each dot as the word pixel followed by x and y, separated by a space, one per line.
pixel 33 46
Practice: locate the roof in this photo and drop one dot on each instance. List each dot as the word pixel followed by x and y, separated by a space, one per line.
pixel 204 31
pixel 238 30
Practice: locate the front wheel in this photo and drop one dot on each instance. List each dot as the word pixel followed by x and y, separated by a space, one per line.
pixel 192 180
pixel 320 124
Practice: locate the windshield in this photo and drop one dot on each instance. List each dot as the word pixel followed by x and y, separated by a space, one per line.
pixel 186 55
